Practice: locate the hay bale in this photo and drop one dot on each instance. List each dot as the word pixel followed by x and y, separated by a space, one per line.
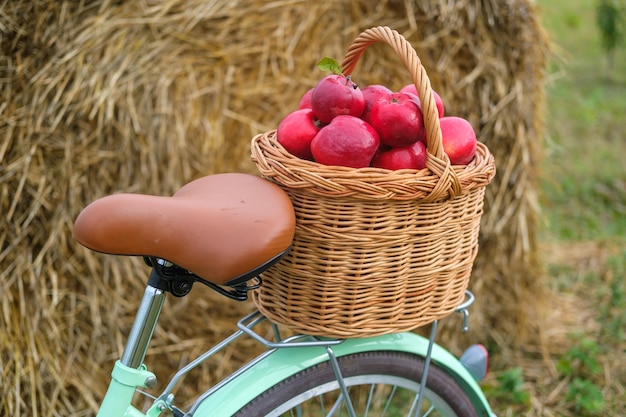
pixel 107 96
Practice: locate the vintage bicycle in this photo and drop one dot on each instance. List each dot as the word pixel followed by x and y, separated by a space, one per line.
pixel 224 231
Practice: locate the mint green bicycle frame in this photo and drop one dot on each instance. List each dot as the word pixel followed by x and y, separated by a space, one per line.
pixel 282 360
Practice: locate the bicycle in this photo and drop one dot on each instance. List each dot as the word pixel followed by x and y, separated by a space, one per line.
pixel 223 231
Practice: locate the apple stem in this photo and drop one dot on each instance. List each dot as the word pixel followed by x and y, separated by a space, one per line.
pixel 349 80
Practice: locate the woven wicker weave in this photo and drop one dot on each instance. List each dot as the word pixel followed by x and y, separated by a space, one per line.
pixel 375 251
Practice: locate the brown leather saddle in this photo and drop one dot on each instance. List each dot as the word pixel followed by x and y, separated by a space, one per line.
pixel 223 228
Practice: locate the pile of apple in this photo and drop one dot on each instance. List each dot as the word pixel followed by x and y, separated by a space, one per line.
pixel 338 123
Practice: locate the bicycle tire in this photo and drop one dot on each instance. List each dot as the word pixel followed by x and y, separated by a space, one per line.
pixel 369 376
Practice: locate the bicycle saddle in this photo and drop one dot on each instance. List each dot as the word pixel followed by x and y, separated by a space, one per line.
pixel 220 227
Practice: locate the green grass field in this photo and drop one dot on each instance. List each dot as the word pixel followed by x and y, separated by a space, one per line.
pixel 584 178
pixel 583 226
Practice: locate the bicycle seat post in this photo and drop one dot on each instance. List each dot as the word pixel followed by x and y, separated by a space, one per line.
pixel 143 328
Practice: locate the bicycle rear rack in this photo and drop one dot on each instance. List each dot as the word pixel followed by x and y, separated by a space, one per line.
pixel 247 325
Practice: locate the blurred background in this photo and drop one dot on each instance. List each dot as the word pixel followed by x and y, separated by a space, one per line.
pixel 106 96
pixel 583 205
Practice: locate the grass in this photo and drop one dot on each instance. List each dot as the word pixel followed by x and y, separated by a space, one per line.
pixel 584 181
pixel 583 229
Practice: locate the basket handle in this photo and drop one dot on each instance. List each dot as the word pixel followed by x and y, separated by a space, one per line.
pixel 438 162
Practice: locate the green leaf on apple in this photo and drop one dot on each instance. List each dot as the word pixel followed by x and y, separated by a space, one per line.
pixel 329 64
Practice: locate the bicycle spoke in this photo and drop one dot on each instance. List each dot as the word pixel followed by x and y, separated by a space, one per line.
pixel 369 400
pixel 336 406
pixel 322 405
pixel 430 410
pixel 298 411
pixel 389 399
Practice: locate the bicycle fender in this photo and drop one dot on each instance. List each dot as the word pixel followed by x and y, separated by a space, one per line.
pixel 285 362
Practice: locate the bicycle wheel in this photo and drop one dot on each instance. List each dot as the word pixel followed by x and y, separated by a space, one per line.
pixel 379 384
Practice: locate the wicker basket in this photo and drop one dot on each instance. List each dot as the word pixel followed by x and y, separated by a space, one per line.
pixel 375 251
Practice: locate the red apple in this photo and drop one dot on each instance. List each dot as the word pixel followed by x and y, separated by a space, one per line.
pixel 398 120
pixel 305 100
pixel 410 88
pixel 335 95
pixel 381 148
pixel 346 141
pixel 296 131
pixel 371 94
pixel 458 139
pixel 402 157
